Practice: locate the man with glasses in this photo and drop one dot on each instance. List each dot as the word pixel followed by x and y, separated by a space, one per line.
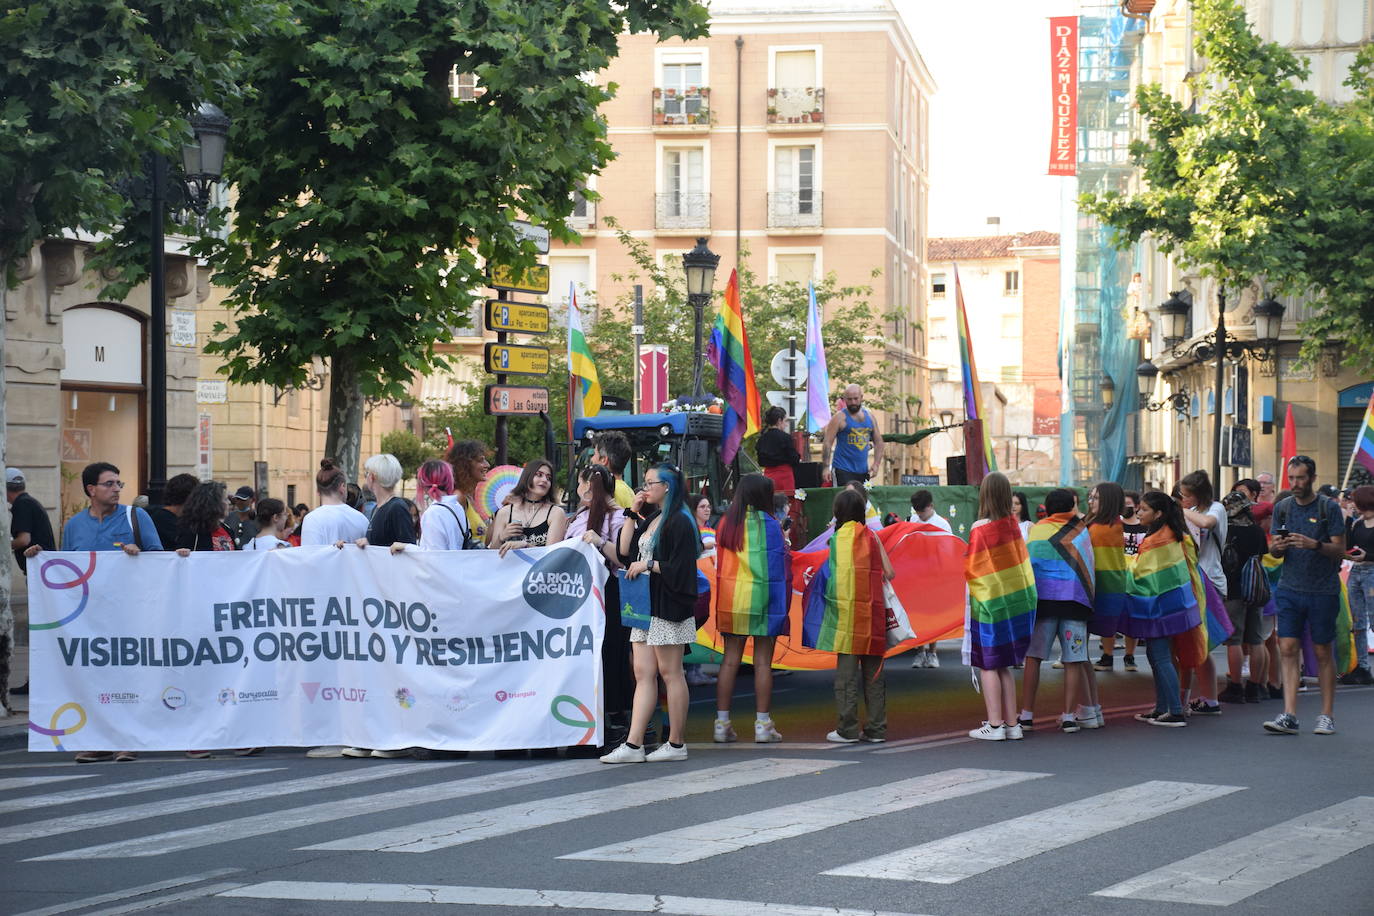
pixel 105 525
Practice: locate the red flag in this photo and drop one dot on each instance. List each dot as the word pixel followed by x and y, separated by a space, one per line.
pixel 1290 445
pixel 449 433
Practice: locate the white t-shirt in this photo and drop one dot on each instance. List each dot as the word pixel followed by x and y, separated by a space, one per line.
pixel 330 524
pixel 266 542
pixel 443 524
pixel 1209 546
pixel 935 519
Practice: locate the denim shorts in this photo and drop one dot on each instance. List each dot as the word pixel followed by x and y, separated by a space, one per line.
pixel 1072 636
pixel 1299 609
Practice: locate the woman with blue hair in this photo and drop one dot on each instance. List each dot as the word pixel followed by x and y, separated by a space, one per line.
pixel 664 544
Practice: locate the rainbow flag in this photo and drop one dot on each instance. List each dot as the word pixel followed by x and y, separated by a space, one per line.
pixel 1214 624
pixel 1061 554
pixel 1364 443
pixel 729 353
pixel 973 394
pixel 1002 595
pixel 1111 578
pixel 1161 600
pixel 754 584
pixel 844 608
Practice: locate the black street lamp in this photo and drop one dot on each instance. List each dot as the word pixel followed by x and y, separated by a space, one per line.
pixel 1173 314
pixel 203 163
pixel 700 265
pixel 1145 375
pixel 1268 320
pixel 1107 388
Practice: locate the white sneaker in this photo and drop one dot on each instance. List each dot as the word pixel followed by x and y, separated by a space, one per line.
pixel 837 738
pixel 666 753
pixel 919 659
pixel 1014 732
pixel 356 752
pixel 724 732
pixel 699 678
pixel 932 660
pixel 329 750
pixel 625 754
pixel 391 755
pixel 989 732
pixel 1092 720
pixel 766 733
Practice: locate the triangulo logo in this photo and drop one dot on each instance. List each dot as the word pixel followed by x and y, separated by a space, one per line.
pixel 227 696
pixel 557 585
pixel 174 698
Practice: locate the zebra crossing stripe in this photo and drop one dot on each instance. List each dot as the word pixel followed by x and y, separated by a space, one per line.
pixel 713 838
pixel 1229 873
pixel 480 825
pixel 128 893
pixel 277 821
pixel 91 793
pixel 449 895
pixel 25 782
pixel 81 822
pixel 973 852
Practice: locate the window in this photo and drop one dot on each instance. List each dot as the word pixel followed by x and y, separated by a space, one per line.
pixel 580 209
pixel 572 272
pixel 290 495
pixel 937 286
pixel 794 69
pixel 1011 326
pixel 1011 285
pixel 939 329
pixel 794 267
pixel 683 178
pixel 465 88
pixel 681 84
pixel 794 176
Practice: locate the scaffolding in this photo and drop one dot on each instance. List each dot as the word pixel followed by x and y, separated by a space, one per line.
pixel 1095 435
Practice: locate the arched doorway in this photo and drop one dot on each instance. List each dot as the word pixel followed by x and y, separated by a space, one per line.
pixel 102 398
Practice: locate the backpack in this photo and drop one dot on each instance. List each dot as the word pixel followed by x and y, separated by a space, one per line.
pixel 1254 583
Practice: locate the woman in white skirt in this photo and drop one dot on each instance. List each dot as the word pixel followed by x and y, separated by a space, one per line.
pixel 664 544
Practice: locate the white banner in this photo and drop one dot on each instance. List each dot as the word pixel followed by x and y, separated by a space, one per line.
pixel 313 645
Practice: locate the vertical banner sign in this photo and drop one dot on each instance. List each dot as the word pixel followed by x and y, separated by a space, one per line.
pixel 653 378
pixel 1064 95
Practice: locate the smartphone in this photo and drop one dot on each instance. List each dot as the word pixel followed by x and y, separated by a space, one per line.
pixel 1282 532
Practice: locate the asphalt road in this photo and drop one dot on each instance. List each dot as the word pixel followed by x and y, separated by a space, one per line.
pixel 1128 819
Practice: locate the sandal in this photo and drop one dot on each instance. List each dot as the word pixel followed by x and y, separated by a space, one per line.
pixel 198 755
pixel 125 756
pixel 94 756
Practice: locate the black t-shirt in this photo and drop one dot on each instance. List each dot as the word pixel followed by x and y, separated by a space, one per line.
pixel 1242 542
pixel 391 524
pixel 166 524
pixel 27 515
pixel 1134 533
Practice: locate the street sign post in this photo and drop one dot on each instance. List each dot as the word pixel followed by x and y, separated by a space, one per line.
pixel 517 317
pixel 789 368
pixel 532 280
pixel 514 401
pixel 528 232
pixel 516 359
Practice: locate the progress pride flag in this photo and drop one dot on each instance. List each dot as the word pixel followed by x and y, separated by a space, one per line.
pixel 1064 95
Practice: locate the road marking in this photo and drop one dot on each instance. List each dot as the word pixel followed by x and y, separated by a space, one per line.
pixel 153 903
pixel 924 747
pixel 107 790
pixel 25 782
pixel 1229 873
pixel 83 821
pixel 449 895
pixel 738 696
pixel 274 822
pixel 713 838
pixel 973 852
pixel 480 825
pixel 765 748
pixel 130 892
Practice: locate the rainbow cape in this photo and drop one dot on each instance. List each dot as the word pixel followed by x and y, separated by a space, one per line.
pixel 1111 576
pixel 1001 591
pixel 844 609
pixel 1214 625
pixel 1161 600
pixel 1061 554
pixel 754 583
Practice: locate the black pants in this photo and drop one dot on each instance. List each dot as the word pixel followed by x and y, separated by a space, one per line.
pixel 615 655
pixel 845 478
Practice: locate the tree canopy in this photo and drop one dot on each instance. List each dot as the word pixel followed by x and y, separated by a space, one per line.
pixel 369 196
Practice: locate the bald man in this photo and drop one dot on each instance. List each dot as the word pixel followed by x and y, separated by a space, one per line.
pixel 851 434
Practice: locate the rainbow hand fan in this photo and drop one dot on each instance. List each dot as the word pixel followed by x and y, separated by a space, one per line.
pixel 494 489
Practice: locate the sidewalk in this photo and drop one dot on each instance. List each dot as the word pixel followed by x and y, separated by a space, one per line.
pixel 14 729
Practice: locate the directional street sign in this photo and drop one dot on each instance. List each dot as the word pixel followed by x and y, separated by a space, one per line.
pixel 514 401
pixel 517 359
pixel 786 370
pixel 528 232
pixel 517 317
pixel 533 280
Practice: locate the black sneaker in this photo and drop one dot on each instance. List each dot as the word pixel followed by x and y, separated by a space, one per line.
pixel 1104 663
pixel 1252 692
pixel 1201 707
pixel 24 691
pixel 1130 663
pixel 1148 716
pixel 1026 724
pixel 1357 678
pixel 1234 693
pixel 1069 726
pixel 1169 720
pixel 1275 691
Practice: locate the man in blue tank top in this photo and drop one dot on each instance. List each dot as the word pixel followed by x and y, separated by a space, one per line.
pixel 851 433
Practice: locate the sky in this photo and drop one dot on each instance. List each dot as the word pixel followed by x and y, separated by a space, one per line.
pixel 990 117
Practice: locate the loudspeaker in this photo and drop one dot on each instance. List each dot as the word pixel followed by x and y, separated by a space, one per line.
pixel 956 471
pixel 807 475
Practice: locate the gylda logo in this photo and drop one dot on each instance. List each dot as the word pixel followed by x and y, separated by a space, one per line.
pixel 557 585
pixel 313 689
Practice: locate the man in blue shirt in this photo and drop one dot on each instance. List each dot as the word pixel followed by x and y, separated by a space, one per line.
pixel 852 433
pixel 105 525
pixel 1309 534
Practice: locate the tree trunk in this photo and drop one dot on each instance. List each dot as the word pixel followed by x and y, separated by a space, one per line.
pixel 343 439
pixel 6 615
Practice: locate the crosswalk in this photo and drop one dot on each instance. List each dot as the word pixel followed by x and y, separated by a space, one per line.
pixel 379 809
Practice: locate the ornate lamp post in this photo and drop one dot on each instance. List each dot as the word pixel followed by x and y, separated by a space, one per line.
pixel 700 265
pixel 1107 388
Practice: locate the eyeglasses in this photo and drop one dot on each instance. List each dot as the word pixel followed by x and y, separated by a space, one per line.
pixel 111 484
pixel 650 483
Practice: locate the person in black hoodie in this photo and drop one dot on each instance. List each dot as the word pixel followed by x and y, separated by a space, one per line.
pixel 664 545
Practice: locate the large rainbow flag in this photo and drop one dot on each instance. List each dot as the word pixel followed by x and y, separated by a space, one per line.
pixel 729 353
pixel 1364 443
pixel 973 393
pixel 1002 595
pixel 1161 601
pixel 1112 578
pixel 754 584
pixel 844 608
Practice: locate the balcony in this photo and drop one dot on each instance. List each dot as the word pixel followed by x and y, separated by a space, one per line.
pixel 796 109
pixel 682 110
pixel 685 212
pixel 794 210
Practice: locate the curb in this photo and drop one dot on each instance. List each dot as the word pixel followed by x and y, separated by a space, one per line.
pixel 14 737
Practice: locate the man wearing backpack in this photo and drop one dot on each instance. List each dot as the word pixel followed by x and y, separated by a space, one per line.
pixel 1309 534
pixel 1240 560
pixel 106 525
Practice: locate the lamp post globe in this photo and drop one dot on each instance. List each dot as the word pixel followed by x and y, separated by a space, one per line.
pixel 700 266
pixel 1145 375
pixel 1108 390
pixel 1173 313
pixel 1268 319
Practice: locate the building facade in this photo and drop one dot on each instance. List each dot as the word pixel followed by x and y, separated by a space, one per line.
pixel 1011 292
